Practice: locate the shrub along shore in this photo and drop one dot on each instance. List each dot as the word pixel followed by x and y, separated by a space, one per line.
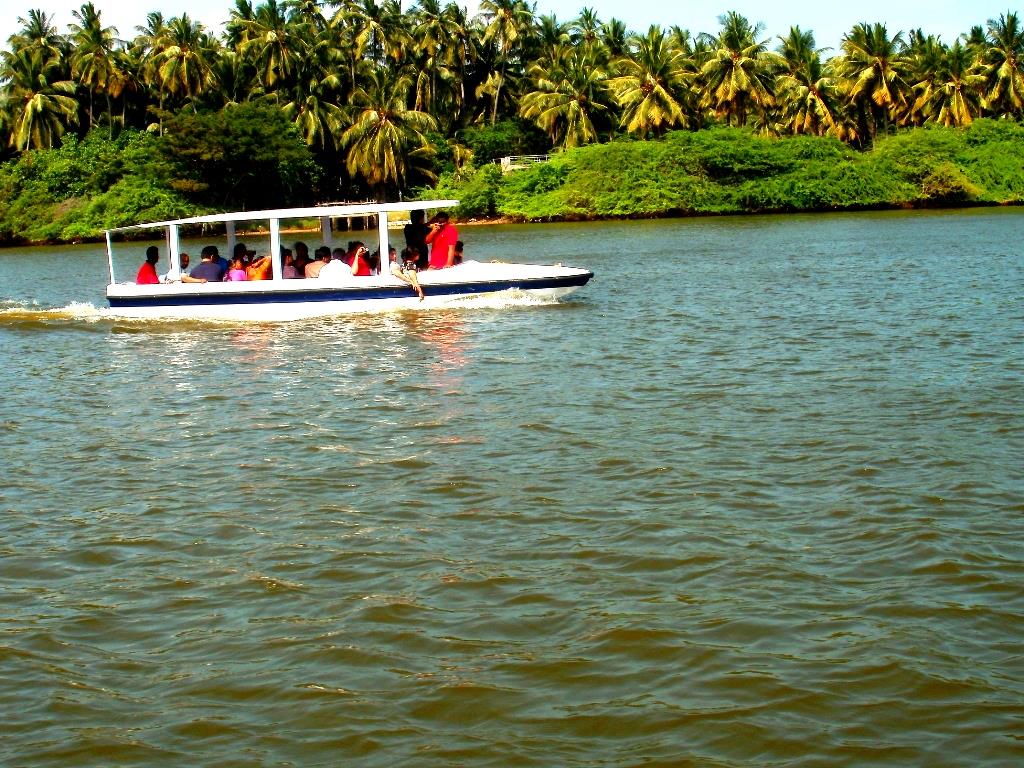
pixel 73 193
pixel 733 171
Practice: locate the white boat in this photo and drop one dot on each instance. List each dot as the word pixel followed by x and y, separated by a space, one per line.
pixel 295 299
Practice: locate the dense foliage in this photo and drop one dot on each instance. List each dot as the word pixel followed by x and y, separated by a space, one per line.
pixel 733 170
pixel 384 101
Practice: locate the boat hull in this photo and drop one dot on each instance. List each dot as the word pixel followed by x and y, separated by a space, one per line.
pixel 302 299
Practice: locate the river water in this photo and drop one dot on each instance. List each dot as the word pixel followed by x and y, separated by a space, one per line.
pixel 754 496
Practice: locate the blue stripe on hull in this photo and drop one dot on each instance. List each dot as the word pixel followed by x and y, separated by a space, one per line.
pixel 344 294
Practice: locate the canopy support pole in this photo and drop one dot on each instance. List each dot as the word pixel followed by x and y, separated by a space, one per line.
pixel 110 257
pixel 382 234
pixel 275 249
pixel 173 247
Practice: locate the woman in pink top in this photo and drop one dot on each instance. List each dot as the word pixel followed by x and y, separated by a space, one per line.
pixel 237 271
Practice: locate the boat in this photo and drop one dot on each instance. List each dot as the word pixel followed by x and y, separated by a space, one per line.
pixel 279 299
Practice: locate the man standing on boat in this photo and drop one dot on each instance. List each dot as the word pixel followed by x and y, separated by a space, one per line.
pixel 416 232
pixel 443 236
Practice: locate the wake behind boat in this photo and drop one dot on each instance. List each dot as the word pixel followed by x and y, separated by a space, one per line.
pixel 294 299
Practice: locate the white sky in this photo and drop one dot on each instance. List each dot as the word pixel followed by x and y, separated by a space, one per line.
pixel 828 20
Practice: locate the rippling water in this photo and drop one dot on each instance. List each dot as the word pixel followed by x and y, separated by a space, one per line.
pixel 752 497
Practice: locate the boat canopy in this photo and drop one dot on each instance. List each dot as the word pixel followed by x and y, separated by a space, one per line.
pixel 314 212
pixel 275 216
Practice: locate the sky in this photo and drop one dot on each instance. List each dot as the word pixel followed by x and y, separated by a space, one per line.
pixel 828 20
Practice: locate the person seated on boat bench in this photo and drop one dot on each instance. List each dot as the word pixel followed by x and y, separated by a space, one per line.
pixel 301 257
pixel 259 269
pixel 147 272
pixel 237 272
pixel 288 269
pixel 209 269
pixel 405 270
pixel 323 255
pixel 183 275
pixel 361 263
pixel 334 269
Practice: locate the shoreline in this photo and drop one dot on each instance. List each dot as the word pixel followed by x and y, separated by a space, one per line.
pixel 481 221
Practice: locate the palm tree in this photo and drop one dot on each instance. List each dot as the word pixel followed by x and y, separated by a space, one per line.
pixel 651 87
pixel 185 56
pixel 740 71
pixel 614 37
pixel 586 28
pixel 1004 66
pixel 925 56
pixel 873 75
pixel 571 94
pixel 38 37
pixel 507 24
pixel 314 106
pixel 93 62
pixel 807 96
pixel 436 34
pixel 37 106
pixel 956 98
pixel 386 139
pixel 270 42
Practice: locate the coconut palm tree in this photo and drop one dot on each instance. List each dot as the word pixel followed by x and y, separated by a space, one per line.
pixel 1004 66
pixel 740 72
pixel 571 98
pixel 925 55
pixel 38 37
pixel 956 99
pixel 385 141
pixel 271 42
pixel 38 107
pixel 508 23
pixel 93 61
pixel 184 61
pixel 652 84
pixel 874 71
pixel 806 95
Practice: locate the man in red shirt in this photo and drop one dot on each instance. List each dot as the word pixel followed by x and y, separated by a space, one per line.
pixel 442 237
pixel 147 272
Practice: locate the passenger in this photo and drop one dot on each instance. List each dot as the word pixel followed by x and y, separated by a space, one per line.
pixel 334 268
pixel 416 236
pixel 458 252
pixel 353 246
pixel 239 252
pixel 443 236
pixel 223 263
pixel 209 269
pixel 260 269
pixel 361 262
pixel 373 262
pixel 301 256
pixel 182 276
pixel 323 255
pixel 147 272
pixel 288 269
pixel 406 269
pixel 237 271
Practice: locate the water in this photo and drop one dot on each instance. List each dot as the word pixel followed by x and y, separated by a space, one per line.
pixel 761 507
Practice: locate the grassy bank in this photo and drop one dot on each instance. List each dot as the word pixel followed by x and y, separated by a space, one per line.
pixel 726 170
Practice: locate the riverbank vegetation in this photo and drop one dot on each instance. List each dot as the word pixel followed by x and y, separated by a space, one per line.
pixel 301 101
